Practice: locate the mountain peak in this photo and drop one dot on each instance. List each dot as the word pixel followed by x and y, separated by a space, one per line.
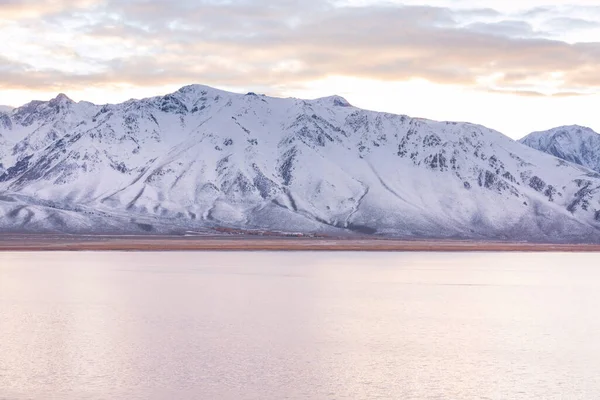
pixel 197 90
pixel 575 143
pixel 194 88
pixel 577 129
pixel 62 99
pixel 335 100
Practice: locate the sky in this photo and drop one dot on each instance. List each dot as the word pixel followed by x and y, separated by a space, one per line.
pixel 515 66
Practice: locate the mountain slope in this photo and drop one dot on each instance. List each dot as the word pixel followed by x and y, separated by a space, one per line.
pixel 202 158
pixel 576 144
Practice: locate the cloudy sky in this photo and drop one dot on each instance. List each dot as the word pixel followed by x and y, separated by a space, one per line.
pixel 516 66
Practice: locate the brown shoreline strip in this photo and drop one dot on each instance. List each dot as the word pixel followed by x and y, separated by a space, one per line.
pixel 90 243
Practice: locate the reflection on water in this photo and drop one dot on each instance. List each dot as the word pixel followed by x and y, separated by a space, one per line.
pixel 299 326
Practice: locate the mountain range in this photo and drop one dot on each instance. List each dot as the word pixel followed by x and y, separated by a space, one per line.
pixel 202 159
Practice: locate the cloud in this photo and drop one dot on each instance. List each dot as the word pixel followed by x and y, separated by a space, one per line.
pixel 504 28
pixel 532 93
pixel 262 43
pixel 12 9
pixel 569 23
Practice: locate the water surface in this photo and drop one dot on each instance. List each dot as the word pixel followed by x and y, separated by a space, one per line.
pixel 299 326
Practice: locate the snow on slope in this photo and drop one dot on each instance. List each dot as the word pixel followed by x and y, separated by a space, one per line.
pixel 201 157
pixel 577 144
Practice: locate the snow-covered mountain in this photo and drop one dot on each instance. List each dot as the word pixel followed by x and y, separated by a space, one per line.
pixel 576 144
pixel 6 109
pixel 201 158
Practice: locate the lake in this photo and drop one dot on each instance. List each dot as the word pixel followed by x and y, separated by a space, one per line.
pixel 264 325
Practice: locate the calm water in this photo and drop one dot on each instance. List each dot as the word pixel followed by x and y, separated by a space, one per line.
pixel 299 326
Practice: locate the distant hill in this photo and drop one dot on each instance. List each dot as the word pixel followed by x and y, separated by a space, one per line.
pixel 577 144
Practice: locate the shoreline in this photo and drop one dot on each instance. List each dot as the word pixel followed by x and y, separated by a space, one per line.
pixel 35 243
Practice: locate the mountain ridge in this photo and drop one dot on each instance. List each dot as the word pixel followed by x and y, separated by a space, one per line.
pixel 201 158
